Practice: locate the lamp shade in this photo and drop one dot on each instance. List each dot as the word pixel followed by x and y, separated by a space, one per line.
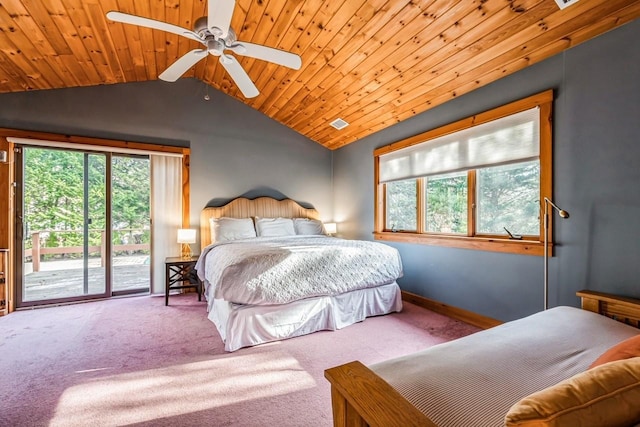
pixel 186 235
pixel 330 227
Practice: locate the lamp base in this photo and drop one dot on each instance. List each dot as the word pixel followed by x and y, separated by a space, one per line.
pixel 186 251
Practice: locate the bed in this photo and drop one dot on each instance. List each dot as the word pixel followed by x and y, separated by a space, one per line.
pixel 288 278
pixel 533 371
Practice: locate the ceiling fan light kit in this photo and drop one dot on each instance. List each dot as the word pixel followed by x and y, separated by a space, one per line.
pixel 215 33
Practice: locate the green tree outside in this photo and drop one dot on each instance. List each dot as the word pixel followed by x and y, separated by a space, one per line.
pixel 508 196
pixel 54 205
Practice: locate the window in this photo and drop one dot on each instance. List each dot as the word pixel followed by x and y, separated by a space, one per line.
pixel 476 183
pixel 507 197
pixel 446 203
pixel 402 204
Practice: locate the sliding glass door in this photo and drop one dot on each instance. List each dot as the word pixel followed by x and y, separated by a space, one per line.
pixel 83 225
pixel 130 219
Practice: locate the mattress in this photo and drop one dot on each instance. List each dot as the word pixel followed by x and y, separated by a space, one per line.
pixel 473 381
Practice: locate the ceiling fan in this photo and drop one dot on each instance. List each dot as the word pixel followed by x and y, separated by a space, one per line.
pixel 214 33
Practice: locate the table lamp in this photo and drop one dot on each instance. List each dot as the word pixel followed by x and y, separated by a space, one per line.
pixel 331 228
pixel 186 236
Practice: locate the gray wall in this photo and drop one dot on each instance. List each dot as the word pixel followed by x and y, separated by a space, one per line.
pixel 234 149
pixel 596 179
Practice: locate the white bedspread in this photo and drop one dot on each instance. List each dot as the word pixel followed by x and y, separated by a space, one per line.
pixel 473 381
pixel 265 271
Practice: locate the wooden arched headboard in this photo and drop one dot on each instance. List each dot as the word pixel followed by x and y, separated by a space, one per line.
pixel 242 207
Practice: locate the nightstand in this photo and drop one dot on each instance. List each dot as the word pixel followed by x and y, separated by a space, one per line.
pixel 181 274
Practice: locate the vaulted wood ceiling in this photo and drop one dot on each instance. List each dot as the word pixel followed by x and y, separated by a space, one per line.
pixel 372 63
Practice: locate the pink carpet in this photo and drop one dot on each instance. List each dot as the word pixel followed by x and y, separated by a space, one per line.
pixel 133 361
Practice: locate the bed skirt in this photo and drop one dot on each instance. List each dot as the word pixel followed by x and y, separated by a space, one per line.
pixel 248 325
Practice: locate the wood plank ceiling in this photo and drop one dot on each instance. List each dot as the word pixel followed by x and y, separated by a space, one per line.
pixel 372 63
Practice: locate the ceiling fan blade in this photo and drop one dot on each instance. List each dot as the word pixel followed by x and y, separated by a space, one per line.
pixel 125 18
pixel 239 75
pixel 265 53
pixel 219 16
pixel 181 66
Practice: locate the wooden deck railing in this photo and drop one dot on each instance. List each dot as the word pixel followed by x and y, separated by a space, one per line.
pixel 37 250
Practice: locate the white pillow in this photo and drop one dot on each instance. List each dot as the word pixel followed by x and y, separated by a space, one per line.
pixel 224 229
pixel 274 227
pixel 308 227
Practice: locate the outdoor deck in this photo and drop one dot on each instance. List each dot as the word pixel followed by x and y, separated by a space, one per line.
pixel 62 279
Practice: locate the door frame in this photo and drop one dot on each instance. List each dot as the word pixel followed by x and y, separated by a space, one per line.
pixel 19 229
pixel 8 136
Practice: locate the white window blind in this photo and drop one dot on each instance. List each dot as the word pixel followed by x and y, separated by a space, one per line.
pixel 514 138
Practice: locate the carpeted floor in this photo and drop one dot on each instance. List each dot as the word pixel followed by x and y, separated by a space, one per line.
pixel 133 361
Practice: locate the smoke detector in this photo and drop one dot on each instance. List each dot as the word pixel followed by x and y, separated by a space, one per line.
pixel 339 123
pixel 564 3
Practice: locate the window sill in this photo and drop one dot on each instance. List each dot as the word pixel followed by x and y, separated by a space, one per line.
pixel 521 247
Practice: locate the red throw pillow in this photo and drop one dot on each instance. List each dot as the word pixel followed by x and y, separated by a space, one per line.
pixel 624 350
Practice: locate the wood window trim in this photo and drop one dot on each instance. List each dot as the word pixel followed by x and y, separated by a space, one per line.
pixel 103 142
pixel 522 247
pixel 7 175
pixel 543 100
